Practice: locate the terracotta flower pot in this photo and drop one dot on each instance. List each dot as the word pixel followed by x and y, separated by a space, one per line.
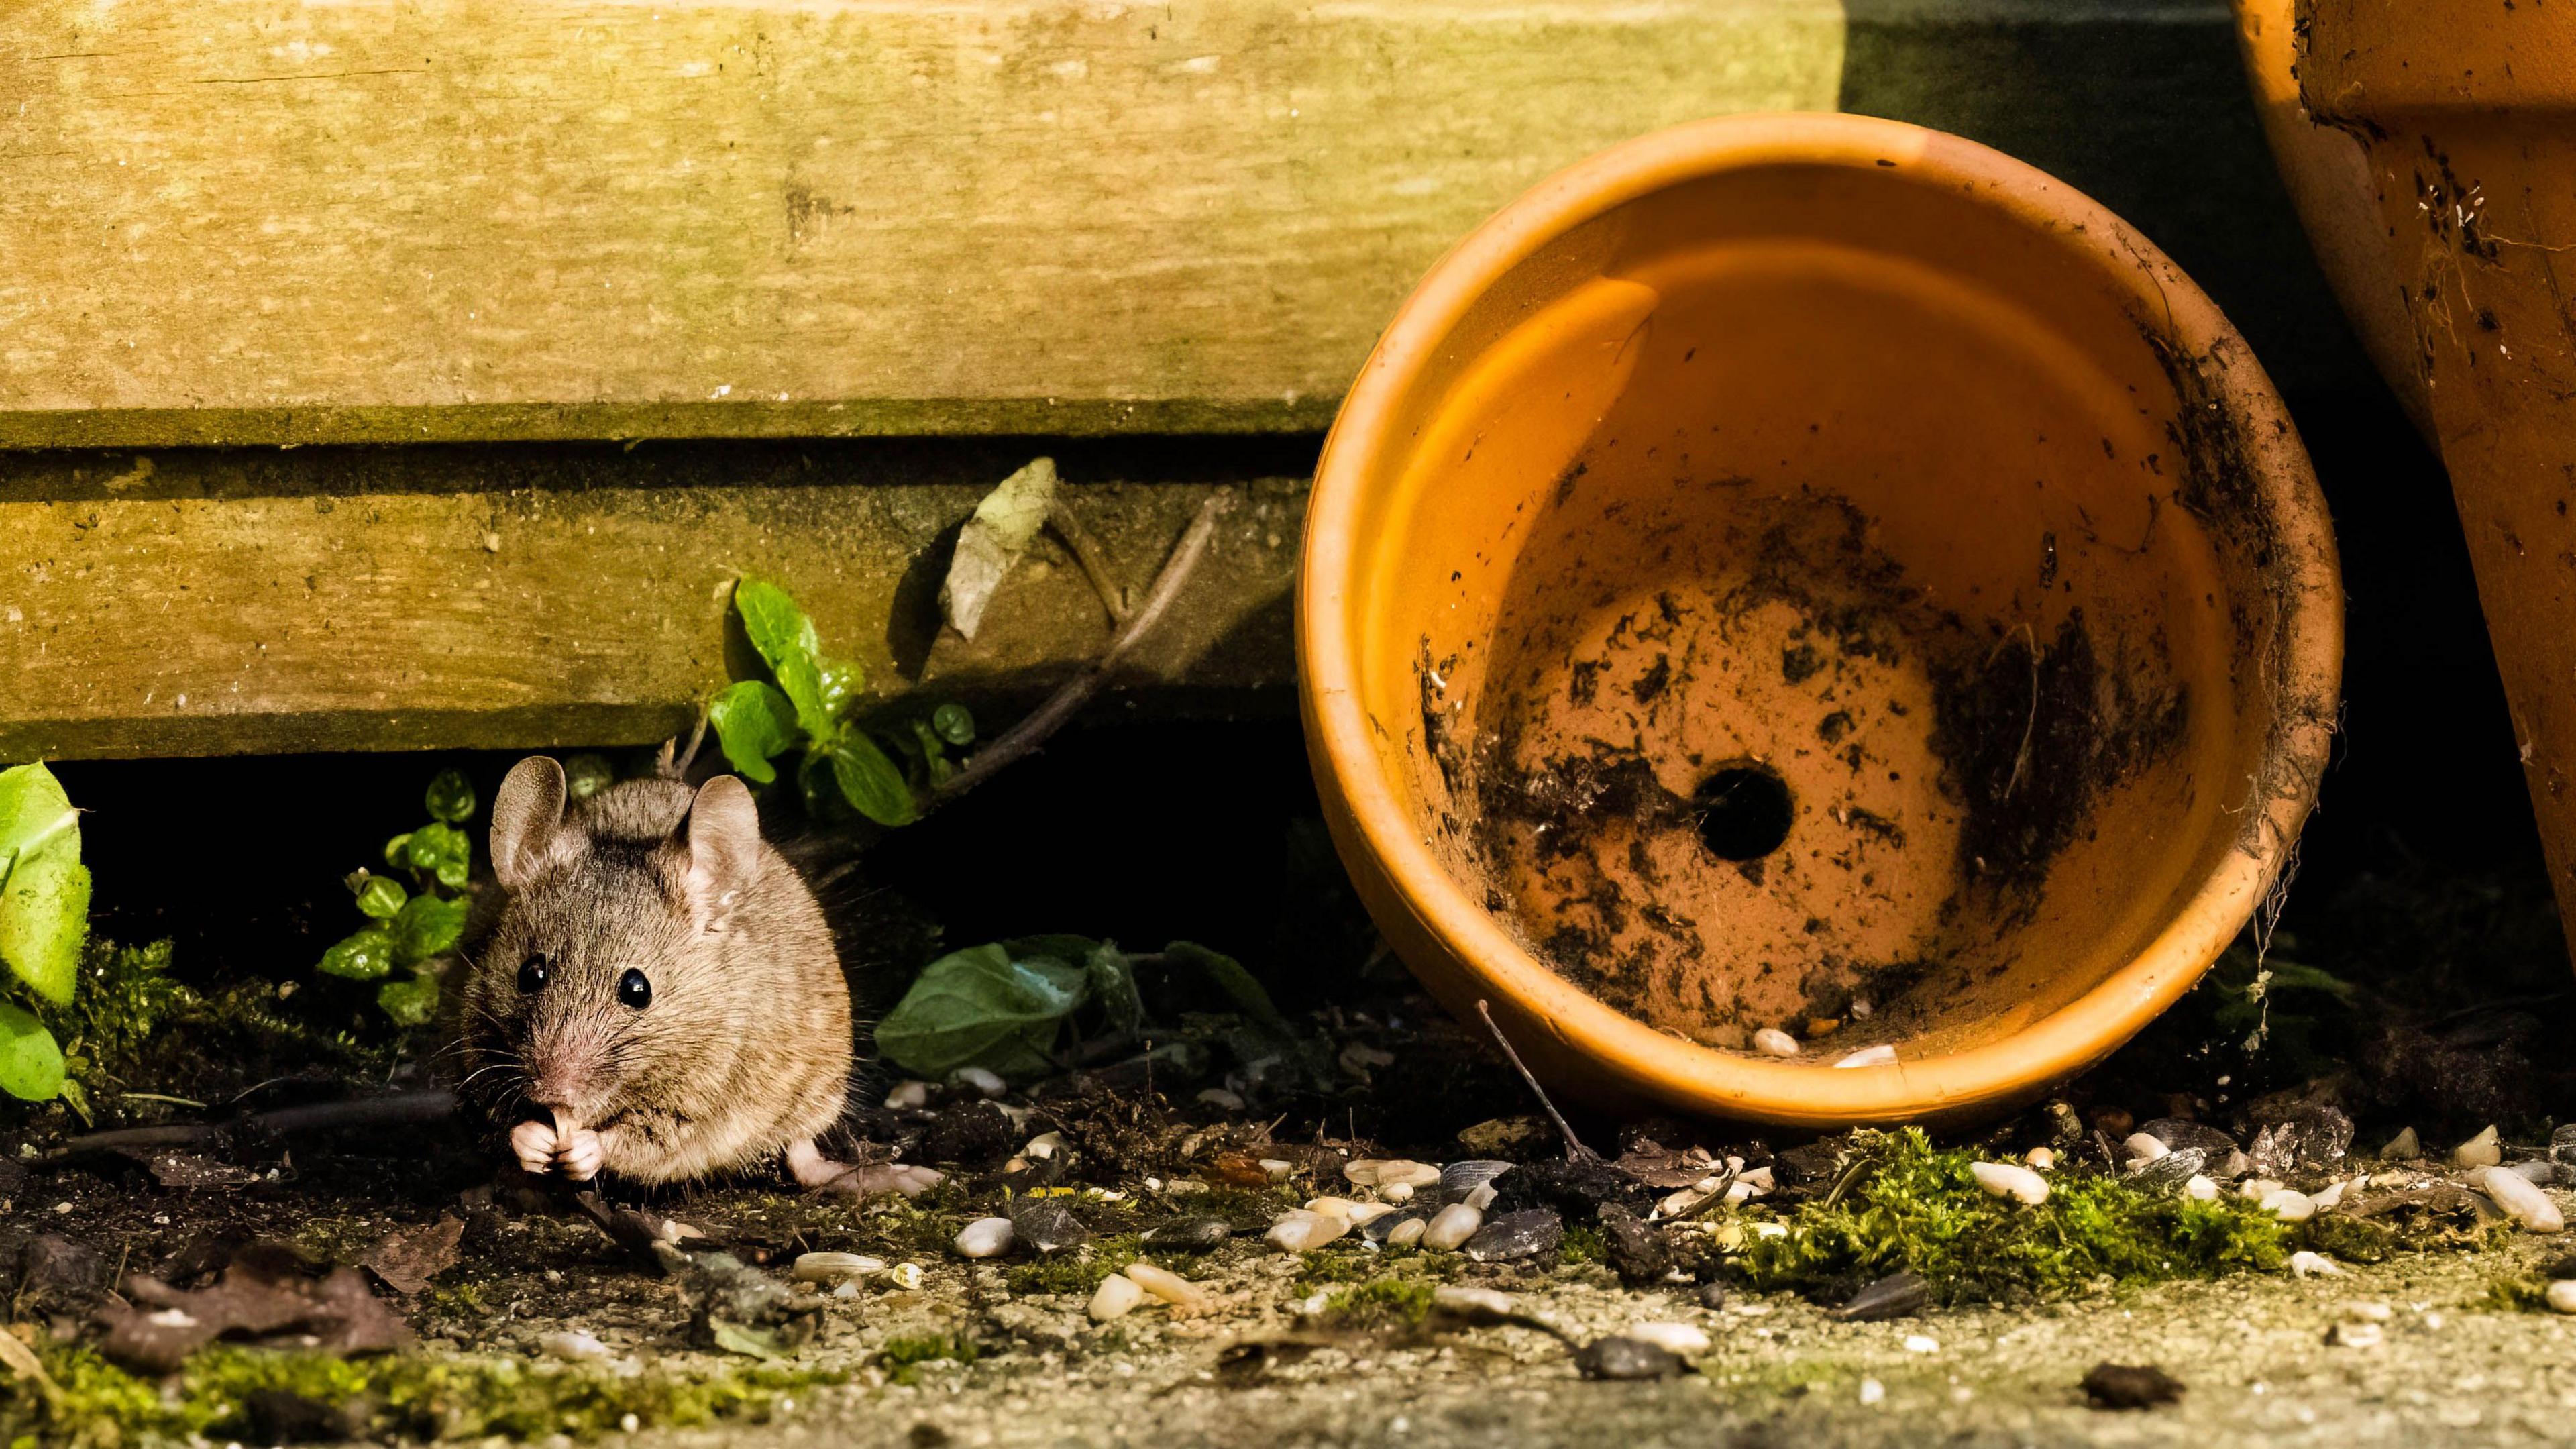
pixel 1807 573
pixel 2469 116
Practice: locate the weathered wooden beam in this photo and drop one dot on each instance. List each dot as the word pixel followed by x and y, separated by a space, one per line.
pixel 332 599
pixel 235 221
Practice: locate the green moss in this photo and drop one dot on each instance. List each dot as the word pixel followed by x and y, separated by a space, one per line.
pixel 420 1398
pixel 1909 1206
pixel 902 1358
pixel 2355 1240
pixel 1075 1272
pixel 1583 1245
pixel 1391 1302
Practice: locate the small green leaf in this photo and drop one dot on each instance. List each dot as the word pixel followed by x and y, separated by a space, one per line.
pixel 587 774
pixel 442 852
pixel 428 926
pixel 412 1001
pixel 367 955
pixel 451 797
pixel 1233 980
pixel 954 723
pixel 934 752
pixel 841 681
pixel 754 724
pixel 1072 950
pixel 44 896
pixel 382 897
pixel 871 783
pixel 1113 984
pixel 978 1007
pixel 793 650
pixel 31 1065
pixel 398 852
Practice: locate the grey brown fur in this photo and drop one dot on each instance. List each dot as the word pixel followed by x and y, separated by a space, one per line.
pixel 743 1053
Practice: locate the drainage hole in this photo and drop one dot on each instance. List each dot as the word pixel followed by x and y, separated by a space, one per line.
pixel 1744 811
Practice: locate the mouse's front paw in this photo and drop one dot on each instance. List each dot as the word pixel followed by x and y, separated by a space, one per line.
pixel 534 1145
pixel 580 1154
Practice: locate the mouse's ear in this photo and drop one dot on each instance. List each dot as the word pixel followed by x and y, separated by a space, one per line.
pixel 720 841
pixel 525 818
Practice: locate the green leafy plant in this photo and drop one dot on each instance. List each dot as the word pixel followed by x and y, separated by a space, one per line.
pixel 409 927
pixel 44 920
pixel 1006 1006
pixel 805 706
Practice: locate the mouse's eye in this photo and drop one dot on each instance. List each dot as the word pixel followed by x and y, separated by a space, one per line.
pixel 634 990
pixel 533 973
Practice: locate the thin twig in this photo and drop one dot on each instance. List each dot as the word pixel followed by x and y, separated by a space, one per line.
pixel 1026 736
pixel 1575 1151
pixel 1086 551
pixel 428 1106
pixel 676 767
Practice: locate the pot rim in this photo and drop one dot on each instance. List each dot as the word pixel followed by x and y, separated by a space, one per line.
pixel 1638 1057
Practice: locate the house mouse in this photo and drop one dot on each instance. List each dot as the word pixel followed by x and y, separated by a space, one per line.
pixel 659 998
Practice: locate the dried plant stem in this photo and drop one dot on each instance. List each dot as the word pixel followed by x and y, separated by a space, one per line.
pixel 1086 551
pixel 1575 1151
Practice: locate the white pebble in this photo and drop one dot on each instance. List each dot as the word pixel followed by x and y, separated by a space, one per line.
pixel 2314 1265
pixel 574 1346
pixel 903 1276
pixel 1876 1056
pixel 2006 1179
pixel 2520 1199
pixel 1391 1172
pixel 2201 1189
pixel 2289 1206
pixel 909 1096
pixel 985 1238
pixel 1451 1226
pixel 1407 1233
pixel 1674 1338
pixel 834 1268
pixel 2040 1158
pixel 1921 1343
pixel 1298 1230
pixel 984 1083
pixel 1872 1391
pixel 1116 1297
pixel 629 1423
pixel 2144 1147
pixel 1772 1041
pixel 1167 1285
pixel 2404 1147
pixel 1221 1099
pixel 2561 1296
pixel 2480 1151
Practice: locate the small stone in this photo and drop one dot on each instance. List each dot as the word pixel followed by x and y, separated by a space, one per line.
pixel 985 1238
pixel 2289 1205
pixel 2200 1188
pixel 1116 1297
pixel 1684 1339
pixel 1453 1225
pixel 1167 1285
pixel 2180 1132
pixel 1872 1392
pixel 1893 1296
pixel 1188 1235
pixel 986 1084
pixel 1712 1296
pixel 574 1346
pixel 2130 1386
pixel 1626 1358
pixel 2480 1151
pixel 1877 1056
pixel 1298 1230
pixel 2362 1310
pixel 903 1277
pixel 1637 1252
pixel 2521 1201
pixel 1772 1041
pixel 1221 1099
pixel 629 1423
pixel 2539 1172
pixel 2169 1172
pixel 834 1269
pixel 1279 1169
pixel 2356 1335
pixel 1524 1234
pixel 2561 1296
pixel 1046 1224
pixel 1391 1172
pixel 1922 1343
pixel 2005 1179
pixel 909 1096
pixel 2404 1147
pixel 2314 1265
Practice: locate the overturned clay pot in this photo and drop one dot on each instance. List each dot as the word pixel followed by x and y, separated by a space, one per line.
pixel 1812 575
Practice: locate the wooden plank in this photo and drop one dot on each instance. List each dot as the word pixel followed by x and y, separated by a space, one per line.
pixel 247 221
pixel 325 599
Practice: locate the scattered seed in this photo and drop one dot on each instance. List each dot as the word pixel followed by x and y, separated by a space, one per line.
pixel 1893 1296
pixel 1876 1056
pixel 904 1276
pixel 1116 1297
pixel 1626 1358
pixel 2144 1147
pixel 982 1082
pixel 1772 1041
pixel 1279 1169
pixel 1872 1391
pixel 1221 1099
pixel 1390 1172
pixel 2201 1189
pixel 2040 1158
pixel 1684 1339
pixel 1922 1343
pixel 2561 1296
pixel 985 1238
pixel 2356 1335
pixel 2289 1206
pixel 1298 1230
pixel 834 1268
pixel 2130 1386
pixel 1452 1226
pixel 1188 1235
pixel 1408 1232
pixel 1167 1285
pixel 2314 1265
pixel 1523 1234
pixel 574 1346
pixel 1397 1192
pixel 2005 1179
pixel 909 1096
pixel 2521 1201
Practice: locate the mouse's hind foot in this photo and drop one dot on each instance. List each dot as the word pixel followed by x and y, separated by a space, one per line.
pixel 816 1173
